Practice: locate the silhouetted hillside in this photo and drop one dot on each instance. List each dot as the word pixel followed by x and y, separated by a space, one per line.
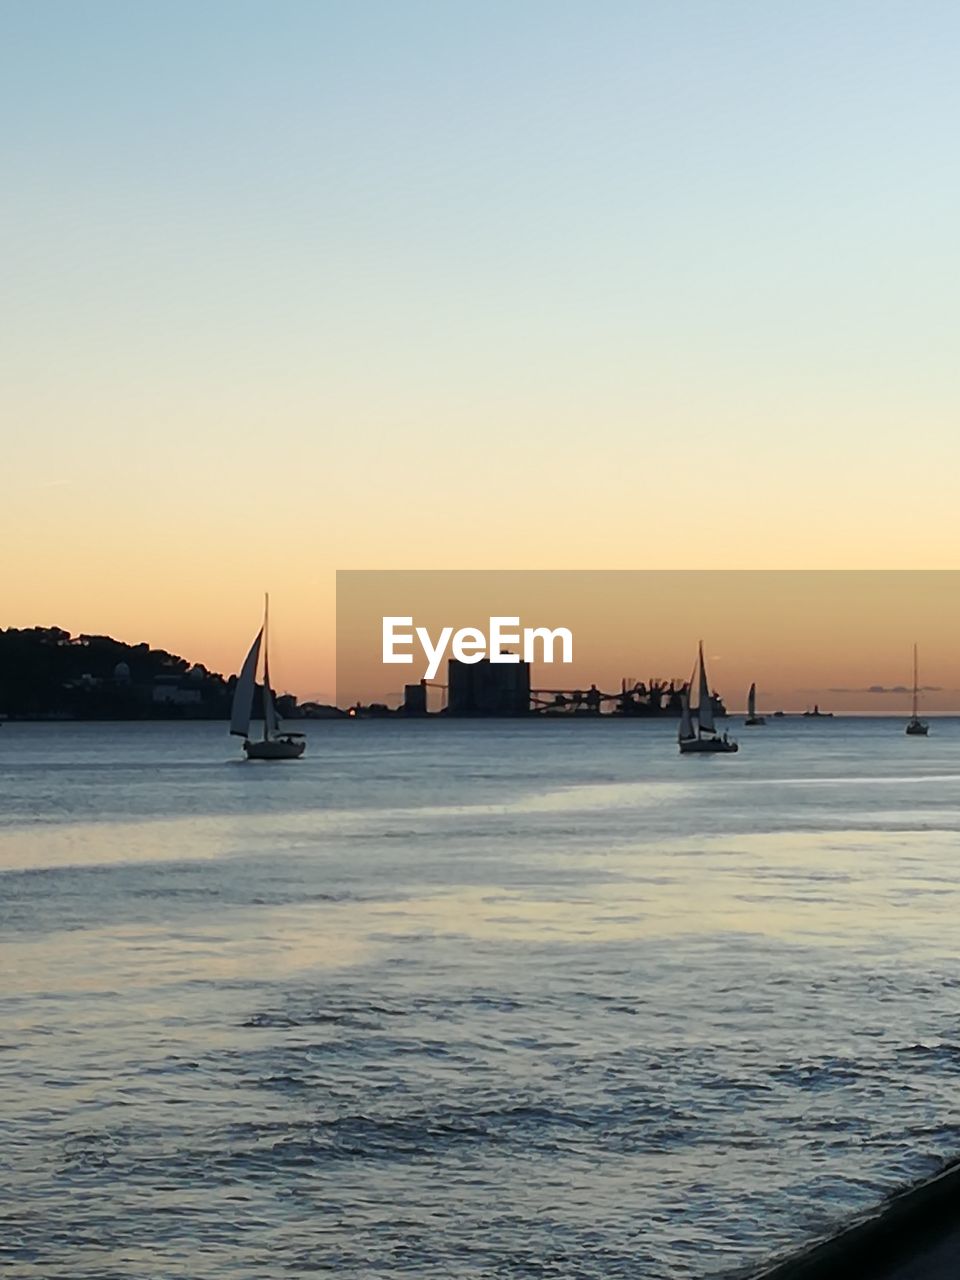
pixel 46 672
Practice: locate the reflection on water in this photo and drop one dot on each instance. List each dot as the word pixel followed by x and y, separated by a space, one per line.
pixel 466 1001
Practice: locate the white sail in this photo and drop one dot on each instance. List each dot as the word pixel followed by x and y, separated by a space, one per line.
pixel 243 693
pixel 705 705
pixel 752 702
pixel 686 724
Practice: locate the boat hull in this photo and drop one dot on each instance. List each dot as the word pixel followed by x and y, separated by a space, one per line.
pixel 275 749
pixel 917 729
pixel 750 720
pixel 707 746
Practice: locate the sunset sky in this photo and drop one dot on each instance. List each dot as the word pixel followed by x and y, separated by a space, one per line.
pixel 296 287
pixel 841 639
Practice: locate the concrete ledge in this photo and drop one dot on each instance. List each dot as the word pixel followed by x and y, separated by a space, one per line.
pixel 886 1242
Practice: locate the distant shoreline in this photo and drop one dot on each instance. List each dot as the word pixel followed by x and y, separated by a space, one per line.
pixel 397 717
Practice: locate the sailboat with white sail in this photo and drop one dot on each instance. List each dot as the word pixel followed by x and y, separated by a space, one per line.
pixel 704 737
pixel 916 727
pixel 275 744
pixel 752 717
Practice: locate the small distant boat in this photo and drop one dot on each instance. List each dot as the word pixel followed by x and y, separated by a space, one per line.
pixel 274 745
pixel 916 728
pixel 752 717
pixel 704 738
pixel 817 714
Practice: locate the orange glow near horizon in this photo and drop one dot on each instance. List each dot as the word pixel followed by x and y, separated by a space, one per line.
pixel 799 635
pixel 804 637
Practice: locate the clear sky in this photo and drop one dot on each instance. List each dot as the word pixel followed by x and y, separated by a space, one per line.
pixel 297 286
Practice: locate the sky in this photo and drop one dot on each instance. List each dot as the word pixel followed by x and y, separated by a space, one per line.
pixel 297 287
pixel 840 639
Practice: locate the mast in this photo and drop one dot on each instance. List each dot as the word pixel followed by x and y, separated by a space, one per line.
pixel 269 715
pixel 914 680
pixel 705 706
pixel 266 625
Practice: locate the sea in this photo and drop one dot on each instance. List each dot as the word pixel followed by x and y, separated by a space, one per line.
pixel 469 1000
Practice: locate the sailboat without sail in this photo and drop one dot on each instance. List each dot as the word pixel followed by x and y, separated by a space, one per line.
pixel 916 728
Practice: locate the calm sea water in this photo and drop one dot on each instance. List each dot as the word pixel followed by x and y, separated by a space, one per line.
pixel 463 1001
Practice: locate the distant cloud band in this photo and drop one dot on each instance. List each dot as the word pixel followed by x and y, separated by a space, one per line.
pixel 896 688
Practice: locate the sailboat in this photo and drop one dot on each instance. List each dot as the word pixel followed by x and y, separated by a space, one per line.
pixel 274 745
pixel 705 737
pixel 917 727
pixel 752 717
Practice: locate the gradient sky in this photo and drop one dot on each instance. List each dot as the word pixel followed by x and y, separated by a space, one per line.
pixel 840 639
pixel 293 287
